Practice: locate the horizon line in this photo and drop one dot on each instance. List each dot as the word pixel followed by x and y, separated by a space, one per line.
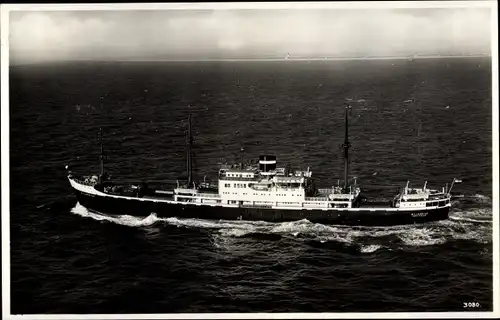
pixel 410 58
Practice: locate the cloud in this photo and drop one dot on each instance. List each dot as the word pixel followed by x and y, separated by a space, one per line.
pixel 70 35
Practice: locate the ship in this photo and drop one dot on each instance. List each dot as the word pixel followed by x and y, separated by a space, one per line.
pixel 260 191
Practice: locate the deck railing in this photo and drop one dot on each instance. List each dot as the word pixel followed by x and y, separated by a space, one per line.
pixel 221 177
pixel 85 182
pixel 208 195
pixel 316 199
pixel 199 195
pixel 336 191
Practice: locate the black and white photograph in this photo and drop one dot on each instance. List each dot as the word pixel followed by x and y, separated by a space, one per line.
pixel 250 160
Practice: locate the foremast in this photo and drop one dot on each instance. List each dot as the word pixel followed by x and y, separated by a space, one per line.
pixel 102 175
pixel 346 145
pixel 189 156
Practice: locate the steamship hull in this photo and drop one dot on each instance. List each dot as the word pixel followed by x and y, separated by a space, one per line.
pixel 263 193
pixel 142 207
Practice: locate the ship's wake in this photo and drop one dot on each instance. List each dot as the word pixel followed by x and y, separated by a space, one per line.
pixel 125 220
pixel 473 224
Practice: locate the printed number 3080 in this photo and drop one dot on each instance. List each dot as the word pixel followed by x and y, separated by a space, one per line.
pixel 471 305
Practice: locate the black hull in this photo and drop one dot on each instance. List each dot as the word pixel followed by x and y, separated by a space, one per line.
pixel 136 207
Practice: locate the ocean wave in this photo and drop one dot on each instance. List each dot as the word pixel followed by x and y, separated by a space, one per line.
pixel 125 220
pixel 422 237
pixel 470 220
pixel 471 199
pixel 480 215
pixel 369 248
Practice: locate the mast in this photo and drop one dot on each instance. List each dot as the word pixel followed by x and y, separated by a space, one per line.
pixel 241 156
pixel 189 142
pixel 346 146
pixel 101 156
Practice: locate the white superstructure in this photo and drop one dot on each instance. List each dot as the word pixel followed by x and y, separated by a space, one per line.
pixel 271 187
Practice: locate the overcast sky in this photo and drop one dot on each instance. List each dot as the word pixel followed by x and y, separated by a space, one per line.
pixel 201 34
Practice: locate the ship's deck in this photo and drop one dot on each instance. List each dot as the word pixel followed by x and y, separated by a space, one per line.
pixel 213 198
